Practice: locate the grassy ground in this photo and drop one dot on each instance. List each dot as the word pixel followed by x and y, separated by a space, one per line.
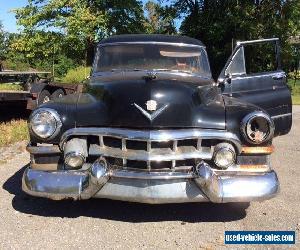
pixel 296 99
pixel 8 86
pixel 13 131
pixel 295 88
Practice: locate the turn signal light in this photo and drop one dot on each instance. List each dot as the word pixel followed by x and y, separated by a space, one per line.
pixel 258 150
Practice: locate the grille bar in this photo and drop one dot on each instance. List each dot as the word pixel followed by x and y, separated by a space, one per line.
pixel 157 154
pixel 154 135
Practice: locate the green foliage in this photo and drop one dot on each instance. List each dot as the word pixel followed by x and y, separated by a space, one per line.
pixel 62 65
pixel 296 100
pixel 52 28
pixel 160 19
pixel 122 17
pixel 2 42
pixel 15 63
pixel 76 75
pixel 10 87
pixel 294 86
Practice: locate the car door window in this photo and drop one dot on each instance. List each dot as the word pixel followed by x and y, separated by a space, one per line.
pixel 260 58
pixel 251 59
pixel 237 64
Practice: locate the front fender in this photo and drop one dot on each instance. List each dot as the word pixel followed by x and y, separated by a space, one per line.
pixel 236 110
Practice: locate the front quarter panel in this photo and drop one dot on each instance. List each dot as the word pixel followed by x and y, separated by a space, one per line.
pixel 236 110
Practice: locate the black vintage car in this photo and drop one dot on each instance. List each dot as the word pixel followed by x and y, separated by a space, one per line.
pixel 152 126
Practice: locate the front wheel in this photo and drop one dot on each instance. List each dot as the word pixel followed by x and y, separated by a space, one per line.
pixel 44 97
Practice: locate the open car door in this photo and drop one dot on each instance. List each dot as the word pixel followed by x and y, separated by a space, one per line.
pixel 253 73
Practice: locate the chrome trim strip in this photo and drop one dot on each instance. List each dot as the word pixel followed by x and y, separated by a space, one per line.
pixel 47 150
pixel 258 41
pixel 248 118
pixel 279 116
pixel 151 116
pixel 157 154
pixel 152 42
pixel 274 73
pixel 154 135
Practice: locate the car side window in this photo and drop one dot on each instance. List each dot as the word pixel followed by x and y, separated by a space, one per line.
pixel 260 57
pixel 237 64
pixel 253 58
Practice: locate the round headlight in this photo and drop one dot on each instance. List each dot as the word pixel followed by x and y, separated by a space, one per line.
pixel 257 127
pixel 224 155
pixel 45 122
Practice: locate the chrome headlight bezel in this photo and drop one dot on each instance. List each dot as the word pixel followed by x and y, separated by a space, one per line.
pixel 54 115
pixel 249 119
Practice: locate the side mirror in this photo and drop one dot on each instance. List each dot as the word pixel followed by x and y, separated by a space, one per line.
pixel 227 79
pixel 224 81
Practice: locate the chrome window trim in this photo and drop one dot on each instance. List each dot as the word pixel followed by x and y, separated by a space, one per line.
pixel 153 42
pixel 258 41
pixel 154 135
pixel 258 75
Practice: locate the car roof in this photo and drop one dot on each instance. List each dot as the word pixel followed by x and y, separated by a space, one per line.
pixel 151 38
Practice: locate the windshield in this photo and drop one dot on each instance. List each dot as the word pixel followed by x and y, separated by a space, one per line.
pixel 127 57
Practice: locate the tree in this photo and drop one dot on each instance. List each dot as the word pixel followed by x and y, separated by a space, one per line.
pixel 160 19
pixel 3 43
pixel 74 27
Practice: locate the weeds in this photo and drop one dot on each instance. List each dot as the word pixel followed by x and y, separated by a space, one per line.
pixel 13 131
pixel 10 87
pixel 76 75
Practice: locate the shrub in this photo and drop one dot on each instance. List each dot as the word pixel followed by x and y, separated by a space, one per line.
pixel 15 65
pixel 77 75
pixel 294 86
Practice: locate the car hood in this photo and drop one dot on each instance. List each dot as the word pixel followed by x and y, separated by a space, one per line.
pixel 131 104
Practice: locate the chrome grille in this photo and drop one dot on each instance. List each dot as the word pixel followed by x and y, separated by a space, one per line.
pixel 151 150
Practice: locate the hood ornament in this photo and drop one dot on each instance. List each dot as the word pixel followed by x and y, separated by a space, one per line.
pixel 151 106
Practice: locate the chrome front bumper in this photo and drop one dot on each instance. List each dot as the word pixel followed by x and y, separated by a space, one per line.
pixel 204 184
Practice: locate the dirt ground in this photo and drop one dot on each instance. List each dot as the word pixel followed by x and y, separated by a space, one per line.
pixel 35 223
